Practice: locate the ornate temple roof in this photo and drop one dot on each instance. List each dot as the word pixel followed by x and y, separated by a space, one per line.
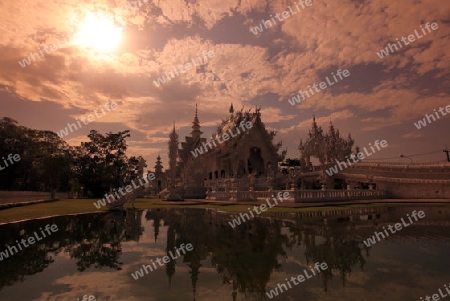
pixel 236 118
pixel 233 120
pixel 327 147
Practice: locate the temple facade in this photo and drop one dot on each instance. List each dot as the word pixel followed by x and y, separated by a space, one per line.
pixel 243 163
pixel 249 151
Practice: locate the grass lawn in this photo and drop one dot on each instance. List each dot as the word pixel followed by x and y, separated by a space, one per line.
pixel 60 207
pixel 76 206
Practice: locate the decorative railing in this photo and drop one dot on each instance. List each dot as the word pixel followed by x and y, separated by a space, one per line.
pixel 317 195
pixel 403 164
pixel 298 195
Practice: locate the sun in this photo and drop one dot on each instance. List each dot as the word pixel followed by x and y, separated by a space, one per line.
pixel 98 33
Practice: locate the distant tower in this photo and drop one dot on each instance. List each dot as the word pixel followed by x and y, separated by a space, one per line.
pixel 196 133
pixel 231 109
pixel 173 155
pixel 158 166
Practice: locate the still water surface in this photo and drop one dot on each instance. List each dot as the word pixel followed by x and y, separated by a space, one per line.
pixel 95 254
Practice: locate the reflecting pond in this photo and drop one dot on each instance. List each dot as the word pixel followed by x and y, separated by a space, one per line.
pixel 96 254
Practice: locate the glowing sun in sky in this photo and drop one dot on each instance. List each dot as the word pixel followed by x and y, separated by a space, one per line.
pixel 98 33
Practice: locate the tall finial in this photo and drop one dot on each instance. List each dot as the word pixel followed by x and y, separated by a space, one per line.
pixel 196 133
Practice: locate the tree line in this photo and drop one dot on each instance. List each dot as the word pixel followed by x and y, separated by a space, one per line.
pixel 48 163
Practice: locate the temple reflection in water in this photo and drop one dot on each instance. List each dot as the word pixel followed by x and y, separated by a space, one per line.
pixel 246 258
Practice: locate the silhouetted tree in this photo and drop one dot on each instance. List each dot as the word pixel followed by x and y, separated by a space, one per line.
pixel 45 159
pixel 101 164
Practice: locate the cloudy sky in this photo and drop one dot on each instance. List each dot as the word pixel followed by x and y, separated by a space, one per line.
pixel 81 70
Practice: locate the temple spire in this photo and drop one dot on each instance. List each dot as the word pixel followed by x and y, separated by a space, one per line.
pixel 173 154
pixel 196 116
pixel 196 133
pixel 158 166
